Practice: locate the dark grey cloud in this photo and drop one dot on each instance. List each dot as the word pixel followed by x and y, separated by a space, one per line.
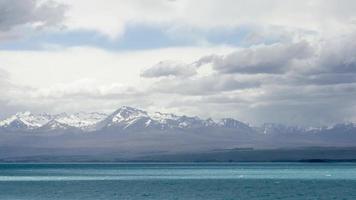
pixel 271 59
pixel 35 13
pixel 335 63
pixel 308 105
pixel 338 55
pixel 319 60
pixel 320 79
pixel 326 62
pixel 169 68
pixel 294 105
pixel 313 113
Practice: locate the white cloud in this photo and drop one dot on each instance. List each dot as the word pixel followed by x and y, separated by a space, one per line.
pixel 83 78
pixel 329 17
pixel 110 17
pixel 58 66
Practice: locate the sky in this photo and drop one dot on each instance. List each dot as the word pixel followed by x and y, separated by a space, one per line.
pixel 281 61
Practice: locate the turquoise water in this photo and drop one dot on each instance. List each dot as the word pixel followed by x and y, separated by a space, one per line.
pixel 225 181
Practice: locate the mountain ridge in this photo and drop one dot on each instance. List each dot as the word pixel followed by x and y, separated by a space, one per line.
pixel 131 131
pixel 125 117
pixel 130 118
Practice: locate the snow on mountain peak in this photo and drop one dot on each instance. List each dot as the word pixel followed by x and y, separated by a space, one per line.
pixel 126 113
pixel 135 119
pixel 163 117
pixel 232 123
pixel 26 119
pixel 29 121
pixel 54 125
pixel 81 119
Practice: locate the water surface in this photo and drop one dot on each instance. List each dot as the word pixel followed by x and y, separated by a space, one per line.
pixel 178 181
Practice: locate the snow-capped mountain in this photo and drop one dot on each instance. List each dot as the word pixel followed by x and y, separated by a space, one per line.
pixel 80 120
pixel 132 119
pixel 122 119
pixel 27 121
pixel 54 125
pixel 133 130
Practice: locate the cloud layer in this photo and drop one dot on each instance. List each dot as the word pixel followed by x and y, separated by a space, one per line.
pixel 271 61
pixel 302 82
pixel 111 17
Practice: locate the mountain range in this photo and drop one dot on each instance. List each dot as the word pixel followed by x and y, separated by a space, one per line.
pixel 125 118
pixel 129 118
pixel 129 131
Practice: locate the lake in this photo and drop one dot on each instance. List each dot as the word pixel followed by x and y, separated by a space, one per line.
pixel 166 181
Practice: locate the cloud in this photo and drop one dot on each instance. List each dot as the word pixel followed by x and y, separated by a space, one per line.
pixel 306 82
pixel 271 59
pixel 70 79
pixel 303 79
pixel 84 88
pixel 66 65
pixel 5 84
pixel 8 95
pixel 30 13
pixel 337 55
pixel 80 95
pixel 291 90
pixel 110 17
pixel 312 104
pixel 3 75
pixel 205 85
pixel 318 79
pixel 169 68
